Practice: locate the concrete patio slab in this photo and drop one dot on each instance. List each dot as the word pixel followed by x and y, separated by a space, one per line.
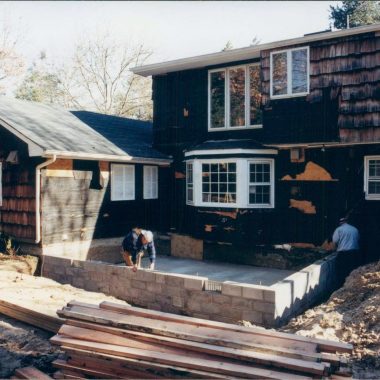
pixel 219 271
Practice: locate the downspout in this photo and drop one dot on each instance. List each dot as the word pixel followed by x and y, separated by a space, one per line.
pixel 38 195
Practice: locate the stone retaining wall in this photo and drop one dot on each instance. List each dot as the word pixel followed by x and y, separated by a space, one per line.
pixel 180 294
pixel 268 306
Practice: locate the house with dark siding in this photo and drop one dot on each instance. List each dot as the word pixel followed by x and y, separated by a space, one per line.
pixel 73 183
pixel 273 143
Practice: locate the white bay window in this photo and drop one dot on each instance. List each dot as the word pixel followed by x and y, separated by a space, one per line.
pixel 235 98
pixel 232 182
pixel 289 73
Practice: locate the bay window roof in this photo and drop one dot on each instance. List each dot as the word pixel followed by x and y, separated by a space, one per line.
pixel 229 147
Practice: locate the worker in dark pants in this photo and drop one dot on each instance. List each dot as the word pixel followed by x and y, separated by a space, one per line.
pixel 134 244
pixel 346 242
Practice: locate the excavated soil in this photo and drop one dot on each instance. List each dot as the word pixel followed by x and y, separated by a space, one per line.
pixel 352 315
pixel 22 344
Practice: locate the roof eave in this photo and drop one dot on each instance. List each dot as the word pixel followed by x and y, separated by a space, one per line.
pixel 243 53
pixel 108 157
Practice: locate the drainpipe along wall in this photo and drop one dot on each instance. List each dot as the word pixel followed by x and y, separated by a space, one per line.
pixel 38 195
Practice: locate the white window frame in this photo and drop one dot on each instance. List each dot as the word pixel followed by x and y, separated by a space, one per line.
pixel 148 182
pixel 289 76
pixel 227 105
pixel 188 163
pixel 369 197
pixel 133 183
pixel 271 182
pixel 242 183
pixel 1 184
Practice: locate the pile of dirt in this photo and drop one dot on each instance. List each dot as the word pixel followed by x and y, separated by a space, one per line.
pixel 19 263
pixel 352 315
pixel 21 344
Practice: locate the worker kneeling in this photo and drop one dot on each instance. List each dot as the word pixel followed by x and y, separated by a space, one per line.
pixel 135 244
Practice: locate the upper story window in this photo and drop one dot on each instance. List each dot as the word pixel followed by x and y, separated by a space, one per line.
pixel 235 98
pixel 372 177
pixel 122 182
pixel 289 73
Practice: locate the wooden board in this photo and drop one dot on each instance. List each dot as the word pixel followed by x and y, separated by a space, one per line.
pixel 85 357
pixel 323 345
pixel 176 330
pixel 230 369
pixel 31 373
pixel 241 355
pixel 330 358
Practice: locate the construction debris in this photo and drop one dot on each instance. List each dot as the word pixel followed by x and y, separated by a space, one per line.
pixel 118 341
pixel 30 373
pixel 352 314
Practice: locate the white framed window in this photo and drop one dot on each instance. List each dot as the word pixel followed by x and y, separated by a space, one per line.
pixel 1 184
pixel 234 98
pixel 231 183
pixel 372 177
pixel 122 182
pixel 289 73
pixel 189 183
pixel 261 183
pixel 219 183
pixel 150 182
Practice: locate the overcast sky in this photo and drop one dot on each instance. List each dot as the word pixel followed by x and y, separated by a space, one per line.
pixel 172 29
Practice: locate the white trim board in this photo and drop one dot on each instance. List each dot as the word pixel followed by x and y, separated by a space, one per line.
pixel 229 151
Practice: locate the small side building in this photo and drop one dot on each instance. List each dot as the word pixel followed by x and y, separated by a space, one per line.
pixel 73 183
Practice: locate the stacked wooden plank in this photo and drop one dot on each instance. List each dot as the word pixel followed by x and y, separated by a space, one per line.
pixel 117 341
pixel 32 317
pixel 30 373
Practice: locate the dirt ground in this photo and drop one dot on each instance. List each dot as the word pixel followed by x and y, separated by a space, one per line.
pixel 21 344
pixel 352 315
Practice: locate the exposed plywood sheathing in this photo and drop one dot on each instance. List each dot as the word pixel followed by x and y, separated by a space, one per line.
pixel 313 172
pixel 305 207
pixel 60 168
pixel 229 214
pixel 179 175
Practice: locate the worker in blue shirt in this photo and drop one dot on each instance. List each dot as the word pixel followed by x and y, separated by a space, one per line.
pixel 346 241
pixel 134 244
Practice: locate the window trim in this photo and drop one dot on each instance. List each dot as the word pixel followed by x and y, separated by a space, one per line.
pixel 227 106
pixel 269 161
pixel 1 184
pixel 188 202
pixel 369 197
pixel 155 195
pixel 289 75
pixel 113 186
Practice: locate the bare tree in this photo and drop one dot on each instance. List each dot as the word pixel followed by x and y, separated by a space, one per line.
pixel 100 78
pixel 11 62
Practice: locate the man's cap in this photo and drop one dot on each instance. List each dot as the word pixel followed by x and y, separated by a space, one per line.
pixel 148 235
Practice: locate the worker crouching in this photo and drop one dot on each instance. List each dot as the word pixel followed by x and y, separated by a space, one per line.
pixel 135 244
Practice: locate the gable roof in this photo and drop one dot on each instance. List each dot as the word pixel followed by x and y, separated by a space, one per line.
pixel 245 53
pixel 49 130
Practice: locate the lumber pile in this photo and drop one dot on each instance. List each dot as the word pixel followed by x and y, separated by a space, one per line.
pixel 32 317
pixel 120 341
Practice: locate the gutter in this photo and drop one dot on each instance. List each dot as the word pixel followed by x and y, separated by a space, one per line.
pixel 321 145
pixel 38 195
pixel 108 157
